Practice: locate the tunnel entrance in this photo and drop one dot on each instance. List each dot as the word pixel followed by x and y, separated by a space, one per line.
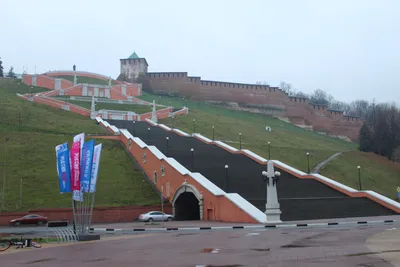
pixel 187 207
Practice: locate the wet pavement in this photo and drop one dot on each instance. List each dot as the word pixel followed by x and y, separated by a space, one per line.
pixel 330 246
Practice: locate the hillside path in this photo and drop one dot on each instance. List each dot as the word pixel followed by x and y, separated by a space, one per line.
pixel 324 162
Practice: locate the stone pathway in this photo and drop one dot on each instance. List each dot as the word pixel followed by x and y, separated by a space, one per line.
pixel 323 163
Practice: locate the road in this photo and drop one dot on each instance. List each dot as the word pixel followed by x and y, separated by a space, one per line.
pixel 330 246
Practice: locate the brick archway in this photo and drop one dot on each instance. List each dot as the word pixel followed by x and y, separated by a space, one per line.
pixel 183 190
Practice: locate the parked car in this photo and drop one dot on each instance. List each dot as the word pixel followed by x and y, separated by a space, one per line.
pixel 30 219
pixel 155 216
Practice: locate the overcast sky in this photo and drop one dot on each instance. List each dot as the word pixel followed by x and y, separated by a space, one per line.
pixel 349 48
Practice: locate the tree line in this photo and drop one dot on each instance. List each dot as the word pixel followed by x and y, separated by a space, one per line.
pixel 380 132
pixel 11 73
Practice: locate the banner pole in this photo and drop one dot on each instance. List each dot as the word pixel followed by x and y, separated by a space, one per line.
pixel 91 209
pixel 73 215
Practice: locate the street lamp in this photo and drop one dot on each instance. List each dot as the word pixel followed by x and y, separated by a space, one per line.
pixel 167 139
pixel 359 176
pixel 240 140
pixel 192 151
pixel 226 178
pixel 148 134
pixel 269 150
pixel 308 161
pixel 134 128
pixel 194 126
pixel 4 176
pixel 213 132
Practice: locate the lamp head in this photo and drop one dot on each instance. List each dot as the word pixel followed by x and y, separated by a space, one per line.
pixel 308 154
pixel 192 149
pixel 277 174
pixel 264 173
pixel 167 138
pixel 226 166
pixel 358 167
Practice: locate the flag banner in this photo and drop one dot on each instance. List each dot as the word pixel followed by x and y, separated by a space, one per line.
pixel 64 171
pixel 77 195
pixel 58 148
pixel 75 155
pixel 81 139
pixel 86 165
pixel 95 168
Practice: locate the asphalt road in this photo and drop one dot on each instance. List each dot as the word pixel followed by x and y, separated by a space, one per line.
pixel 338 246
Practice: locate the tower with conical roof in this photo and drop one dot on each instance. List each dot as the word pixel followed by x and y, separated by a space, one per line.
pixel 132 67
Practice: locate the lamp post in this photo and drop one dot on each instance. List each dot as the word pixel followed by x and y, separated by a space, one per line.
pixel 226 178
pixel 192 151
pixel 269 150
pixel 213 132
pixel 240 140
pixel 134 128
pixel 20 193
pixel 148 134
pixel 4 176
pixel 167 139
pixel 194 126
pixel 162 205
pixel 359 176
pixel 308 161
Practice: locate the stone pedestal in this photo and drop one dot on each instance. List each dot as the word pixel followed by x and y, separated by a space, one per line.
pixel 272 208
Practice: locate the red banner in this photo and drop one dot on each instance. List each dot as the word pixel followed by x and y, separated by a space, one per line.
pixel 75 166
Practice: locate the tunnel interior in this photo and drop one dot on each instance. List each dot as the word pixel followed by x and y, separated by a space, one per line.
pixel 187 207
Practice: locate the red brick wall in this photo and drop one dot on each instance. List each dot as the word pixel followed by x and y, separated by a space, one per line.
pixel 297 109
pixel 100 214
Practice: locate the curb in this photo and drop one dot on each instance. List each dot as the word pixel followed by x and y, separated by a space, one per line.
pixel 267 226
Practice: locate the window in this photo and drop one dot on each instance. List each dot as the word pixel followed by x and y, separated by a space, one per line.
pixel 162 170
pixel 155 177
pixel 144 158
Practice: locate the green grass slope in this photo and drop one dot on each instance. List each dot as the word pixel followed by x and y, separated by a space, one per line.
pixel 289 143
pixel 83 79
pixel 33 131
pixel 139 109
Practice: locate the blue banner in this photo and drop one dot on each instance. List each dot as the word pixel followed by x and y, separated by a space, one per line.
pixel 86 165
pixel 64 175
pixel 60 148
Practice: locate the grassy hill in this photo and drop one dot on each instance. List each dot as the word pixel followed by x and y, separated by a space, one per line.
pixel 83 79
pixel 289 144
pixel 33 131
pixel 139 109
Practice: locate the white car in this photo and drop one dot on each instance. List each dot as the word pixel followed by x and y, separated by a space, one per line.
pixel 155 216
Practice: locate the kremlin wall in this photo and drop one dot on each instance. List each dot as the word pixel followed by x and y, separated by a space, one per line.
pixel 297 110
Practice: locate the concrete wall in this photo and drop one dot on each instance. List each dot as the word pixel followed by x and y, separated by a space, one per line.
pixel 100 214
